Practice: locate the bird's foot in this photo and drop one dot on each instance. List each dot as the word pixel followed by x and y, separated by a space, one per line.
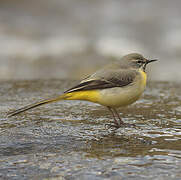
pixel 114 125
pixel 128 125
pixel 117 126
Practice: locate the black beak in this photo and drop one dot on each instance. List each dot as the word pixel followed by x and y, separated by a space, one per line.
pixel 147 62
pixel 151 60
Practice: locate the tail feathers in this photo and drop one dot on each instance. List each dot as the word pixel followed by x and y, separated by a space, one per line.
pixel 13 113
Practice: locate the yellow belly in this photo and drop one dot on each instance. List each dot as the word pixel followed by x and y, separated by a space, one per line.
pixel 89 95
pixel 117 97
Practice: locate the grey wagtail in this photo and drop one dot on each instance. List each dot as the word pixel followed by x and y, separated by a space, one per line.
pixel 118 84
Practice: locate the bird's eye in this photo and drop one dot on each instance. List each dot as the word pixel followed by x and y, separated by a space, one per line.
pixel 139 62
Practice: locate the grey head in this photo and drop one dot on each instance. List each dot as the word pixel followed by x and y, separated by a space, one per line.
pixel 136 61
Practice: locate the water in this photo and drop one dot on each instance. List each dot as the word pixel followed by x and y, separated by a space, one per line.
pixel 69 139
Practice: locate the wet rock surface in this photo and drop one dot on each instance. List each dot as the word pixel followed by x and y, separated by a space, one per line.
pixel 69 139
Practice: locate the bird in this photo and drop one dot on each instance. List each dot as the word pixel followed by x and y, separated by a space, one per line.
pixel 116 85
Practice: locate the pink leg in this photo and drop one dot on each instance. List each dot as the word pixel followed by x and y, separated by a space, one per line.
pixel 114 113
pixel 120 120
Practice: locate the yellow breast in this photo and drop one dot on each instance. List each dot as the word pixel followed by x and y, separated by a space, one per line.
pixel 144 77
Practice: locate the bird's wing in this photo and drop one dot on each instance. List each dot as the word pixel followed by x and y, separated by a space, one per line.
pixel 106 79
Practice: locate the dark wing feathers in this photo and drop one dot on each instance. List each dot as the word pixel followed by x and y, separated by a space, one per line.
pixel 89 85
pixel 110 79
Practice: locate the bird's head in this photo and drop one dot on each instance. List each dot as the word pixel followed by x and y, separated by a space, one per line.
pixel 136 60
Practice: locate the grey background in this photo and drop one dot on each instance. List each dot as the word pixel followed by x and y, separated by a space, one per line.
pixel 72 38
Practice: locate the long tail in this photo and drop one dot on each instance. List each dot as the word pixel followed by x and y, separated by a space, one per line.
pixel 30 106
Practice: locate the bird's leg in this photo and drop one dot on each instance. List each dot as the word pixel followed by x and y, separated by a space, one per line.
pixel 116 124
pixel 121 123
pixel 120 120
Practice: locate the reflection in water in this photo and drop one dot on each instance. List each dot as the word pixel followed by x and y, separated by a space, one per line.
pixel 71 139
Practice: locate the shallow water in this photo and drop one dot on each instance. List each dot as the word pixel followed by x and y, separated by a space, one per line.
pixel 69 139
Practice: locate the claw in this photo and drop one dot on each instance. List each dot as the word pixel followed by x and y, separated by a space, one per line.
pixel 114 125
pixel 117 126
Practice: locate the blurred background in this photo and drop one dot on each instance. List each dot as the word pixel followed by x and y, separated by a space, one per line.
pixel 72 38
